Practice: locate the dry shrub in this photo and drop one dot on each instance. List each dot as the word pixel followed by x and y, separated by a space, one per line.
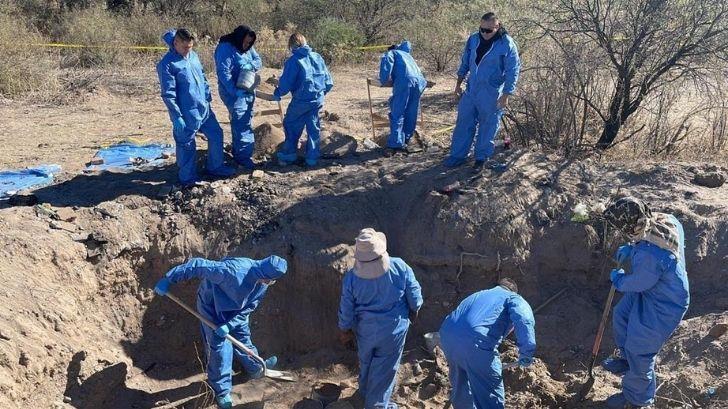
pixel 24 69
pixel 273 45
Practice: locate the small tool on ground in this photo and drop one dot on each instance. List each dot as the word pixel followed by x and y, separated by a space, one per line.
pixel 270 373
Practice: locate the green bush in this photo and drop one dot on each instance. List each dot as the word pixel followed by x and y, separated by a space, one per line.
pixel 336 40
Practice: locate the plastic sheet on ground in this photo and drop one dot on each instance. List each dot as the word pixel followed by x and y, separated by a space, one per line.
pixel 12 181
pixel 129 155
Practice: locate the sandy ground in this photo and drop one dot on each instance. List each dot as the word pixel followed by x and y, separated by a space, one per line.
pixel 82 328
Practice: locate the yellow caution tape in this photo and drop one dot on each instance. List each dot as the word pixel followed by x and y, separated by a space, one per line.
pixel 122 47
pixel 161 48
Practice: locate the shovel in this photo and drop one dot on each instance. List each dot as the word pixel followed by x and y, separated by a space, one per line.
pixel 270 373
pixel 586 388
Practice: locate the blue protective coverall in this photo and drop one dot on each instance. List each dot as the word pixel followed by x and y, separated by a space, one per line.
pixel 377 310
pixel 186 93
pixel 408 83
pixel 229 291
pixel 496 74
pixel 470 337
pixel 656 297
pixel 228 63
pixel 306 77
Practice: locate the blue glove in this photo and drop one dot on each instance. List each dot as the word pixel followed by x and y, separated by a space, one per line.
pixel 623 253
pixel 178 126
pixel 525 361
pixel 276 97
pixel 222 330
pixel 616 274
pixel 162 287
pixel 248 67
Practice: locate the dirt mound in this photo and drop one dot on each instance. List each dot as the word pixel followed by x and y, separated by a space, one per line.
pixel 267 139
pixel 82 313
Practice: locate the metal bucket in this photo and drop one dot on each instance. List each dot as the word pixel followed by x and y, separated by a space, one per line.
pixel 248 80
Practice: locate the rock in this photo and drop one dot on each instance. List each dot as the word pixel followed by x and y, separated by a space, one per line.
pixel 428 391
pixel 66 214
pixel 416 369
pixel 96 160
pixel 67 399
pixel 369 144
pixel 718 330
pixel 257 174
pixel 23 198
pixel 45 210
pixel 61 225
pixel 24 359
pixel 80 237
pixel 267 139
pixel 3 336
pixel 709 179
pixel 166 155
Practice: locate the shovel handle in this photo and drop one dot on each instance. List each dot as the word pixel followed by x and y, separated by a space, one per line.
pixel 210 324
pixel 603 324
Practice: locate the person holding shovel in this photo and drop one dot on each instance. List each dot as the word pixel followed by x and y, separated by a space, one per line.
pixel 656 296
pixel 380 297
pixel 230 289
pixel 399 68
pixel 470 337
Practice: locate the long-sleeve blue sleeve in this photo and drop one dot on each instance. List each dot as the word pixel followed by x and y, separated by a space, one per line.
pixel 346 305
pixel 465 61
pixel 168 86
pixel 524 325
pixel 224 68
pixel 645 274
pixel 287 82
pixel 255 59
pixel 214 271
pixel 413 291
pixel 512 68
pixel 385 67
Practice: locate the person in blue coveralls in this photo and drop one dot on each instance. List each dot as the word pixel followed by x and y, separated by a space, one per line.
pixel 380 296
pixel 235 54
pixel 308 80
pixel 230 290
pixel 399 68
pixel 656 296
pixel 470 337
pixel 491 64
pixel 186 93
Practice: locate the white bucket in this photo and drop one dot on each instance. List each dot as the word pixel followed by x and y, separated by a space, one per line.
pixel 248 80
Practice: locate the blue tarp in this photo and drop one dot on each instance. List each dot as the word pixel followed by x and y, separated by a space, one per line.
pixel 13 180
pixel 124 155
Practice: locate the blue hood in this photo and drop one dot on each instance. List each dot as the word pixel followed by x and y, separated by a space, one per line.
pixel 168 38
pixel 303 50
pixel 405 46
pixel 271 268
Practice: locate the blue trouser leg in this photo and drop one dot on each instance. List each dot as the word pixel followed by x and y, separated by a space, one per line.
pixel 379 356
pixel 462 135
pixel 186 156
pixel 488 125
pixel 639 383
pixel 475 373
pixel 219 361
pixel 411 111
pixel 397 109
pixel 212 130
pixel 293 124
pixel 313 130
pixel 241 124
pixel 242 334
pixel 620 319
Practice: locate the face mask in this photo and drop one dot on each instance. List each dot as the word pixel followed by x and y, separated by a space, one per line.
pixel 486 30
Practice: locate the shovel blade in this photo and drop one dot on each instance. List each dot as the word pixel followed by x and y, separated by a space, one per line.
pixel 280 375
pixel 585 389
